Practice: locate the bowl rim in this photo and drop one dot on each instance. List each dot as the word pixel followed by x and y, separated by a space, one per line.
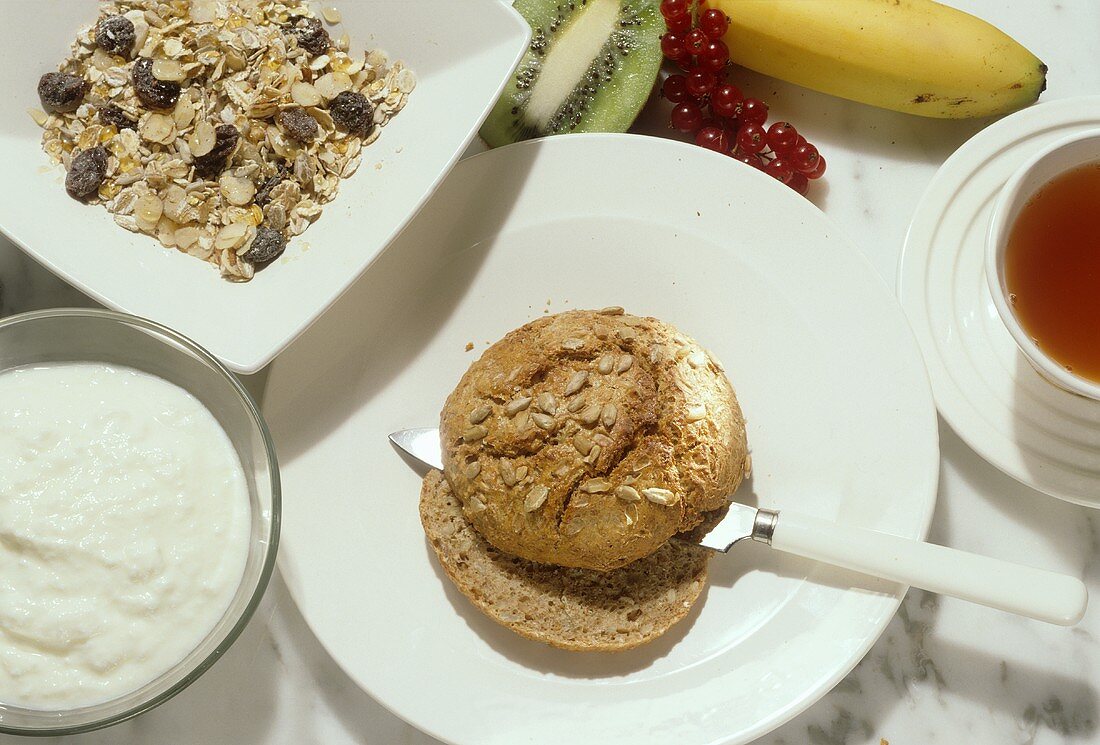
pixel 272 542
pixel 1016 191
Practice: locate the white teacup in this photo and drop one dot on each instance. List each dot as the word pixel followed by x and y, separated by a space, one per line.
pixel 1064 155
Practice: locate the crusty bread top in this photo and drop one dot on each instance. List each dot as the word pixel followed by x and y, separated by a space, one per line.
pixel 589 438
pixel 575 609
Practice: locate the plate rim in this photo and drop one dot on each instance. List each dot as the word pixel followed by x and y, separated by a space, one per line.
pixel 951 401
pixel 891 601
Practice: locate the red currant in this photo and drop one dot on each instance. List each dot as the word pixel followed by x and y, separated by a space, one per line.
pixel 685 62
pixel 780 170
pixel 715 56
pixel 695 41
pixel 798 182
pixel 672 45
pixel 749 159
pixel 799 142
pixel 674 8
pixel 675 88
pixel 782 136
pixel 700 82
pixel 725 100
pixel 686 116
pixel 752 138
pixel 819 169
pixel 754 111
pixel 713 138
pixel 714 23
pixel 804 158
pixel 679 24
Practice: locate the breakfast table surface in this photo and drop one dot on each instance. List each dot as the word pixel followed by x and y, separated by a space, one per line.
pixel 943 671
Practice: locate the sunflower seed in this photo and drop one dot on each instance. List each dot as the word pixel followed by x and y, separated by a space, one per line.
pixel 624 363
pixel 656 352
pixel 576 404
pixel 659 496
pixel 611 310
pixel 606 364
pixel 517 405
pixel 548 403
pixel 472 470
pixel 582 443
pixel 535 498
pixel 480 414
pixel 594 454
pixel 627 493
pixel 561 471
pixel 630 515
pixel 473 434
pixel 609 414
pixel 572 527
pixel 591 415
pixel 475 504
pixel 521 421
pixel 746 468
pixel 596 486
pixel 696 412
pixel 626 334
pixel 508 473
pixel 521 474
pixel 602 440
pixel 576 382
pixel 543 421
pixel 573 343
pixel 697 359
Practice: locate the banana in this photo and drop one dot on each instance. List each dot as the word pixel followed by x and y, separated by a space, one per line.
pixel 915 56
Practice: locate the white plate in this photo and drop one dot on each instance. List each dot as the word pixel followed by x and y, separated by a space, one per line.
pixel 985 388
pixel 841 424
pixel 462 54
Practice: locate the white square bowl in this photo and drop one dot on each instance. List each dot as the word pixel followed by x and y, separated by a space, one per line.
pixel 462 54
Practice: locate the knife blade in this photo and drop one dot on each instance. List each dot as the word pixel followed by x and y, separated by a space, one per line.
pixel 1015 588
pixel 741 522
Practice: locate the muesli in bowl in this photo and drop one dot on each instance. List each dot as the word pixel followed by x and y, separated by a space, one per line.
pixel 219 127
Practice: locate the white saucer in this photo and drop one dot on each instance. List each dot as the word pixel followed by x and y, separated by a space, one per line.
pixel 840 419
pixel 984 387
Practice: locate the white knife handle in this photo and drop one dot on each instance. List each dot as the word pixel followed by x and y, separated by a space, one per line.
pixel 1037 593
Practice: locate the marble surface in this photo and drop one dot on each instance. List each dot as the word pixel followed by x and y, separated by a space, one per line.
pixel 944 671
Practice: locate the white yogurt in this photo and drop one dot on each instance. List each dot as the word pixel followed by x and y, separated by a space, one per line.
pixel 124 529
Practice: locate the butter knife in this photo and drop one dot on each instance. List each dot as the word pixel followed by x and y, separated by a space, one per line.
pixel 1015 588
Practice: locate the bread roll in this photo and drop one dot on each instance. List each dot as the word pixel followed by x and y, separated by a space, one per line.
pixel 574 609
pixel 588 438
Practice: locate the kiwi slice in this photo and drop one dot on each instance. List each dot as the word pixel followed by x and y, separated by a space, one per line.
pixel 590 68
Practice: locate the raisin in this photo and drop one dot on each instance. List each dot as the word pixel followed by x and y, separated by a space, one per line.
pixel 298 124
pixel 214 162
pixel 61 91
pixel 115 34
pixel 113 116
pixel 263 194
pixel 156 94
pixel 268 245
pixel 86 173
pixel 312 36
pixel 352 112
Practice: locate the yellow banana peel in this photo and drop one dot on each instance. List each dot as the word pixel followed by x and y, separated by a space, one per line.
pixel 915 56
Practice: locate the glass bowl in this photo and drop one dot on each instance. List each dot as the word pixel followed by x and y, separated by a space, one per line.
pixel 88 335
